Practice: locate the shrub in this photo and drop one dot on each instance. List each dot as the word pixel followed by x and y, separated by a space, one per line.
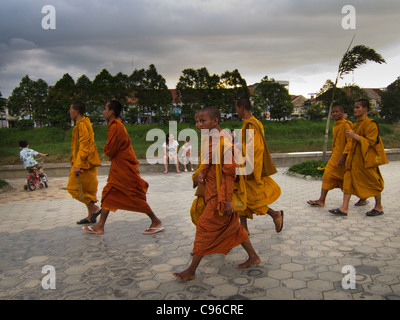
pixel 314 168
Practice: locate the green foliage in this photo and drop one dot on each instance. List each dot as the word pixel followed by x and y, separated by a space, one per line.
pixel 391 101
pixel 314 168
pixel 273 96
pixel 4 185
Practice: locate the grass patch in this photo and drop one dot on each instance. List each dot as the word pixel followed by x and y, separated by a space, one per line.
pixel 314 168
pixel 4 185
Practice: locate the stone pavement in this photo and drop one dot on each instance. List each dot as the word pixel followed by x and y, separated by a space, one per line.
pixel 305 261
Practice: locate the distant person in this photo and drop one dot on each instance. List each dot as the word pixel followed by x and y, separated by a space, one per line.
pixel 362 176
pixel 187 154
pixel 125 189
pixel 261 189
pixel 334 170
pixel 26 155
pixel 170 152
pixel 218 229
pixel 82 182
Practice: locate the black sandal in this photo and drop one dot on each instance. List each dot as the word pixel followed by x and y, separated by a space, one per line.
pixel 374 213
pixel 92 218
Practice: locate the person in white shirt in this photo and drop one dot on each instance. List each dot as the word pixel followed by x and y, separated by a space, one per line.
pixel 170 152
pixel 186 154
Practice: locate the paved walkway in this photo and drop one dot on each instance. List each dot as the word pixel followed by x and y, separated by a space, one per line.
pixel 305 261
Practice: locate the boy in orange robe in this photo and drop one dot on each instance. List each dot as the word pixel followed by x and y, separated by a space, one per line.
pixel 334 170
pixel 82 182
pixel 261 189
pixel 218 229
pixel 125 189
pixel 359 179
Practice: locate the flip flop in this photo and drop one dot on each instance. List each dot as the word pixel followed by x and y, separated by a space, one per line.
pixel 338 212
pixel 154 230
pixel 374 213
pixel 90 230
pixel 314 203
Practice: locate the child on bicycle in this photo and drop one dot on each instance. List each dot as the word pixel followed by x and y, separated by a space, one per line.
pixel 26 156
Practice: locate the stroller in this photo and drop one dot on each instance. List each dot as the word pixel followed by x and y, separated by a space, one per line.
pixel 36 176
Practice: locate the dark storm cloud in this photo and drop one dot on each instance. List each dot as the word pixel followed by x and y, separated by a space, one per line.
pixel 257 37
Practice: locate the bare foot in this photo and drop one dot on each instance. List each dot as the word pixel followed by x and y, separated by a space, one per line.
pixel 278 221
pixel 184 275
pixel 316 203
pixel 249 262
pixel 93 230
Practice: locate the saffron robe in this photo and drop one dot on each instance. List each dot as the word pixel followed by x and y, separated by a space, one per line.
pixel 84 155
pixel 199 202
pixel 261 189
pixel 125 189
pixel 333 174
pixel 217 232
pixel 358 180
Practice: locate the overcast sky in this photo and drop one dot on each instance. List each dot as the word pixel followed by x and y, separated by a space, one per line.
pixel 298 41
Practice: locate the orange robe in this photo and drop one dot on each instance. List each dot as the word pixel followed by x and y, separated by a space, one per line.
pixel 125 189
pixel 358 180
pixel 217 232
pixel 261 189
pixel 84 155
pixel 199 203
pixel 333 174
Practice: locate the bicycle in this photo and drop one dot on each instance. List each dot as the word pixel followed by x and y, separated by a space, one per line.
pixel 35 177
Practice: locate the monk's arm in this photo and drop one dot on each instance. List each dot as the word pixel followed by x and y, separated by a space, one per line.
pixel 84 144
pixel 113 143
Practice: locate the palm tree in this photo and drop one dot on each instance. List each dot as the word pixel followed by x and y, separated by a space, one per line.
pixel 352 59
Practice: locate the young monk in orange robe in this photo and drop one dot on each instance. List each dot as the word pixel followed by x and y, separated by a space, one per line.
pixel 334 170
pixel 261 189
pixel 125 189
pixel 82 182
pixel 218 229
pixel 359 179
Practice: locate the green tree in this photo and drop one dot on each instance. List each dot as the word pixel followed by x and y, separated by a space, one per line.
pixel 273 96
pixel 391 101
pixel 28 99
pixel 83 89
pixel 233 88
pixel 60 98
pixel 197 89
pixel 151 91
pixel 353 58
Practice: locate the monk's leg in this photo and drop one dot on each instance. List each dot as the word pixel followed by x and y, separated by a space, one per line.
pixel 189 273
pixel 321 201
pixel 277 216
pixel 155 222
pixel 253 256
pixel 378 203
pixel 243 222
pixel 99 227
pixel 345 205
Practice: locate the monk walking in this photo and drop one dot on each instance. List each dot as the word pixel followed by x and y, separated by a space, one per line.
pixel 82 182
pixel 261 189
pixel 361 177
pixel 218 229
pixel 125 189
pixel 334 170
